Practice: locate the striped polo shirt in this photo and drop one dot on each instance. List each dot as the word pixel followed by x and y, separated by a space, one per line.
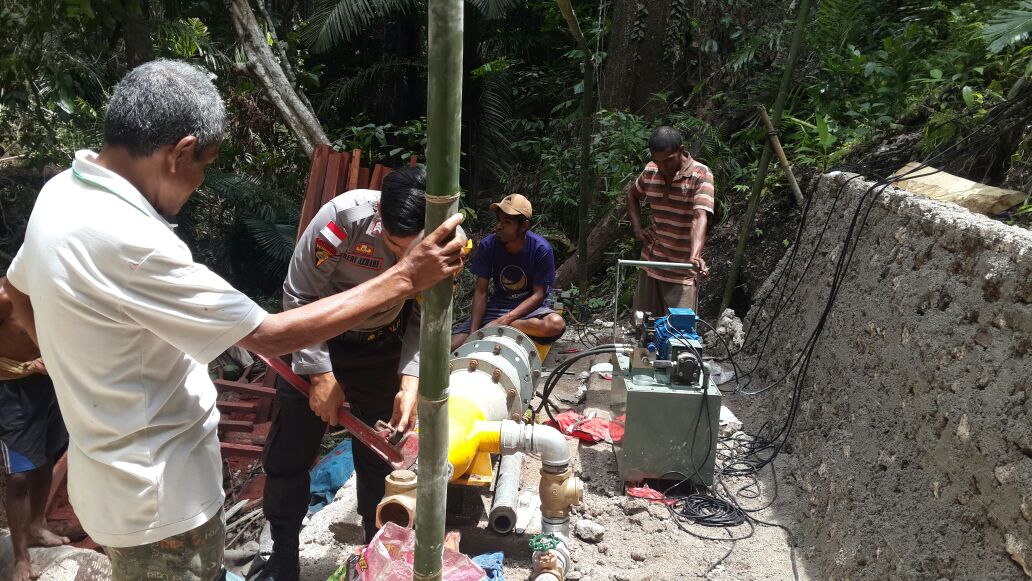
pixel 673 206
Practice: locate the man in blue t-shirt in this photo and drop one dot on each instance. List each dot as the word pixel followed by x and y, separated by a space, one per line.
pixel 522 266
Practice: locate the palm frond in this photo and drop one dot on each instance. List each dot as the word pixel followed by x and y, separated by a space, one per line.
pixel 276 241
pixel 1009 27
pixel 335 22
pixel 496 114
pixel 347 88
pixel 494 9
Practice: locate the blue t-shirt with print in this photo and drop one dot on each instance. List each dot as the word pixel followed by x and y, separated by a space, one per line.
pixel 514 276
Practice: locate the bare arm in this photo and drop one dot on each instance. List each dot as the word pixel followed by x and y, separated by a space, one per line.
pixel 699 224
pixel 432 260
pixel 479 304
pixel 527 306
pixel 21 312
pixel 634 197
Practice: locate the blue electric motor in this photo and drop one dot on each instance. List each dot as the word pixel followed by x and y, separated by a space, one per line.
pixel 677 327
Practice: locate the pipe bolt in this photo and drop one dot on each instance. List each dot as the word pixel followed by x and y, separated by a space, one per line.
pixel 496 375
pixel 497 348
pixel 473 365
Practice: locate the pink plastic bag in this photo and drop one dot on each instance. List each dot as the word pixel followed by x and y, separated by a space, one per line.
pixel 390 554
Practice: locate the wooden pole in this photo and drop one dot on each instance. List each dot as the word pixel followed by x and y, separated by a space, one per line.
pixel 786 167
pixel 761 171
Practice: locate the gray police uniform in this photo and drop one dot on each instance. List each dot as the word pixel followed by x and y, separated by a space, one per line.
pixel 341 248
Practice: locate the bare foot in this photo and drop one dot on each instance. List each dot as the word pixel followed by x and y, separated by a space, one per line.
pixel 23 571
pixel 45 538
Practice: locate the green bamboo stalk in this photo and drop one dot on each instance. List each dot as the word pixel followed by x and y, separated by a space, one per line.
pixel 761 171
pixel 444 115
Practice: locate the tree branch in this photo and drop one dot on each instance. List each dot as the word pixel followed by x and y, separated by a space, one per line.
pixel 262 64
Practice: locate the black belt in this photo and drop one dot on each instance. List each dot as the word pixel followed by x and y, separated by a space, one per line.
pixel 363 337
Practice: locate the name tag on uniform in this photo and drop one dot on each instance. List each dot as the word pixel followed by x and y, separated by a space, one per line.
pixel 370 262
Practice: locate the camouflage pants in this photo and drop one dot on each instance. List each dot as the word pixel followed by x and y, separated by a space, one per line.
pixel 195 555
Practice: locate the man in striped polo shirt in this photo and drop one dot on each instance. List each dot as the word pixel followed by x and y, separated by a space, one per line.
pixel 679 192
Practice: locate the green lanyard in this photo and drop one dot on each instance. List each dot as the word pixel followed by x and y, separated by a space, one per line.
pixel 103 188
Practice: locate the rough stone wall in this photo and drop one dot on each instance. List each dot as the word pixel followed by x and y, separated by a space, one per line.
pixel 913 444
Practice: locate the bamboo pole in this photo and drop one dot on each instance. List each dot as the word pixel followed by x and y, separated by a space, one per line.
pixel 761 171
pixel 444 118
pixel 786 167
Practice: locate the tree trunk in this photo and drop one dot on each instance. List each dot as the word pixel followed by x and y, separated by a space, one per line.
pixel 601 235
pixel 471 127
pixel 136 32
pixel 262 65
pixel 635 68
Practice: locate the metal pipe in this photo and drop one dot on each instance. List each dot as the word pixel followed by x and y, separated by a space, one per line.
pixel 639 263
pixel 545 441
pixel 552 564
pixel 507 486
pixel 444 123
pixel 761 171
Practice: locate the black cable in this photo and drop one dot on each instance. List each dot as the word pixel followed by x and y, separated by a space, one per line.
pixel 968 142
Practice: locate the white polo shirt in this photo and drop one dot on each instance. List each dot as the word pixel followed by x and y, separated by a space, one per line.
pixel 127 322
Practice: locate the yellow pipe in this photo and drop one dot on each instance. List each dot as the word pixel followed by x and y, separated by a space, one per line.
pixel 469 434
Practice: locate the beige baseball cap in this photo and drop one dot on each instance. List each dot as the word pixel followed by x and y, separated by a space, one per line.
pixel 514 205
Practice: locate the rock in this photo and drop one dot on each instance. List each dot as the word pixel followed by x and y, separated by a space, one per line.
pixel 632 506
pixel 637 519
pixel 658 510
pixel 621 577
pixel 604 549
pixel 983 338
pixel 585 569
pixel 639 556
pixel 589 530
pixel 574 576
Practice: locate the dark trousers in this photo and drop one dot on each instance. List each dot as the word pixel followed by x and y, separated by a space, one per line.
pixel 368 372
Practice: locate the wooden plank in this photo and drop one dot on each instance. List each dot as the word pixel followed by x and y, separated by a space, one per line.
pixel 249 389
pixel 237 407
pixel 363 178
pixel 316 177
pixel 235 425
pixel 334 168
pixel 356 161
pixel 342 183
pixel 240 450
pixel 377 177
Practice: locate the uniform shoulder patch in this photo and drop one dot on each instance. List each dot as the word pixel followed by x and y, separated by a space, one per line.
pixel 328 242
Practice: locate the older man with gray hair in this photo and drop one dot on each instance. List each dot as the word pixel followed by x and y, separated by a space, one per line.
pixel 126 322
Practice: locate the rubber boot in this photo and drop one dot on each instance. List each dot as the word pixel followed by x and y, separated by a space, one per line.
pixel 283 564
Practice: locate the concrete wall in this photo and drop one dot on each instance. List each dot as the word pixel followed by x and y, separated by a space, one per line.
pixel 913 445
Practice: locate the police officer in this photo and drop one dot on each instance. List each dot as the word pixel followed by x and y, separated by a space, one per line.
pixel 374 366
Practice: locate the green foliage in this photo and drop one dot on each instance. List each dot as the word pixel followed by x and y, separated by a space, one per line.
pixel 1010 27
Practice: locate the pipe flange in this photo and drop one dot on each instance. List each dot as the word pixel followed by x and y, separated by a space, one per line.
pixel 511 345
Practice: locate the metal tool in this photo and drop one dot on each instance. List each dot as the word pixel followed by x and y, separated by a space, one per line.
pixel 399 449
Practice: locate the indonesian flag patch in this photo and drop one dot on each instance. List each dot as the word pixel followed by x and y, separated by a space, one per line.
pixel 328 242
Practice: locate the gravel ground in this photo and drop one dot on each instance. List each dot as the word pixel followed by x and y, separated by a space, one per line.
pixel 642 541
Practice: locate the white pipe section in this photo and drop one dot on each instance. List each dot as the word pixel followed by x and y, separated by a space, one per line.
pixel 545 441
